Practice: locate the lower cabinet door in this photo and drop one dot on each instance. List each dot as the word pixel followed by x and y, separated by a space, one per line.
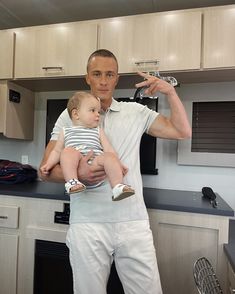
pixel 8 263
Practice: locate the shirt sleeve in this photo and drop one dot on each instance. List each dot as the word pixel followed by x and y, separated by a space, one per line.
pixel 62 121
pixel 151 118
pixel 147 116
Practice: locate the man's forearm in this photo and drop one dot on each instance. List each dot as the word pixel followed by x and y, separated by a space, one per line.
pixel 178 115
pixel 55 175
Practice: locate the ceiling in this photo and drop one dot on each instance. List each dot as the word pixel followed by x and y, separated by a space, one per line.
pixel 21 13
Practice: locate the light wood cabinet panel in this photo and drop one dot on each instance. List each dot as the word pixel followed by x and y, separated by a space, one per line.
pixel 180 239
pixel 173 38
pixel 117 35
pixel 9 262
pixel 3 103
pixel 219 41
pixel 36 222
pixel 6 54
pixel 54 50
pixel 16 119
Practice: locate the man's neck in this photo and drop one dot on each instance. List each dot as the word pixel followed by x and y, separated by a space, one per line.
pixel 106 104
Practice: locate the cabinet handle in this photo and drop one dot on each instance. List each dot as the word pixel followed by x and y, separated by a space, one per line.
pixel 52 67
pixel 156 73
pixel 3 217
pixel 231 290
pixel 141 62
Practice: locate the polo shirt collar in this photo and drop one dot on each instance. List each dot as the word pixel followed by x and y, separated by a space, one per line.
pixel 115 105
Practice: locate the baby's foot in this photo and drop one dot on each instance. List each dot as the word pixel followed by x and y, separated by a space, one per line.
pixel 74 186
pixel 121 191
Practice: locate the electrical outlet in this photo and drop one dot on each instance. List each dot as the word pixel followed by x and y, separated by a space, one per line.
pixel 24 159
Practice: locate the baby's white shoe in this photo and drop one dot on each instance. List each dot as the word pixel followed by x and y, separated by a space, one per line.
pixel 74 186
pixel 121 191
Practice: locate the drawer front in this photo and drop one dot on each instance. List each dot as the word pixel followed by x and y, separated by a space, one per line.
pixel 9 217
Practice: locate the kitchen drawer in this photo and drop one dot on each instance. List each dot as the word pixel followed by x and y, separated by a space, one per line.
pixel 9 216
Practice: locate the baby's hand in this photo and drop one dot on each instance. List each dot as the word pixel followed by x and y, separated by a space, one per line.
pixel 44 170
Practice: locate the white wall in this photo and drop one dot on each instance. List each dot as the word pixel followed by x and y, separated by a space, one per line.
pixel 171 175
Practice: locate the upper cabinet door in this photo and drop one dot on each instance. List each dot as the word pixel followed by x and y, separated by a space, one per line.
pixel 54 50
pixel 16 118
pixel 172 38
pixel 219 41
pixel 6 54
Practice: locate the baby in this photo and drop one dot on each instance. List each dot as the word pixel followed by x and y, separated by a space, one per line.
pixel 85 135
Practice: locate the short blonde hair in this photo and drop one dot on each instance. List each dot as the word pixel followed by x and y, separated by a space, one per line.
pixel 101 53
pixel 76 100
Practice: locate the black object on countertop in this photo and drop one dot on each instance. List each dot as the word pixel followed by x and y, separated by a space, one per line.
pixel 209 194
pixel 12 172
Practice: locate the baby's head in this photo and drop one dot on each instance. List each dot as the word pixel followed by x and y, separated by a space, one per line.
pixel 84 109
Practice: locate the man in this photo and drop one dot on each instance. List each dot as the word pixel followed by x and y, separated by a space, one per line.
pixel 102 230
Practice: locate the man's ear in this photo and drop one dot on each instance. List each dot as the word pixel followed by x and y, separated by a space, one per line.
pixel 87 80
pixel 117 80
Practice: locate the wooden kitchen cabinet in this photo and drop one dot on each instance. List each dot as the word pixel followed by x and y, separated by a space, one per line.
pixel 16 118
pixel 219 41
pixel 6 54
pixel 8 259
pixel 54 50
pixel 36 222
pixel 180 239
pixel 8 249
pixel 172 38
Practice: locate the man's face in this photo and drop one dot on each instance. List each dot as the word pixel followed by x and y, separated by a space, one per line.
pixel 102 77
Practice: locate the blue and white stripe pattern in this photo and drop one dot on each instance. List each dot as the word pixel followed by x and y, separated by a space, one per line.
pixel 83 139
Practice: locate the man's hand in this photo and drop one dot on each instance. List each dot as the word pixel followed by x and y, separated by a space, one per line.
pixel 176 126
pixel 90 174
pixel 124 169
pixel 154 84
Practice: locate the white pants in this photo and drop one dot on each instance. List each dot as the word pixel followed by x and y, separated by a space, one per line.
pixel 94 246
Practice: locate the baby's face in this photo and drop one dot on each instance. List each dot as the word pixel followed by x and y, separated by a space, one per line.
pixel 89 112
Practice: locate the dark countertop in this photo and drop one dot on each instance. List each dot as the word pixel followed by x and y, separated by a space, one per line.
pixel 38 189
pixel 175 200
pixel 185 201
